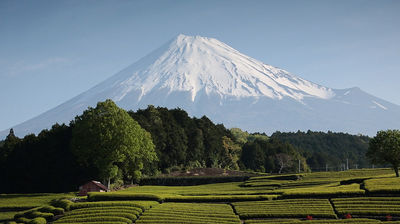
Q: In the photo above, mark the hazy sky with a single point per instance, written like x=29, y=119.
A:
x=50, y=51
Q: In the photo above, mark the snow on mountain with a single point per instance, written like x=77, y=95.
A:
x=207, y=77
x=196, y=63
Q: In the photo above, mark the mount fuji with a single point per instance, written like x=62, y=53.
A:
x=207, y=77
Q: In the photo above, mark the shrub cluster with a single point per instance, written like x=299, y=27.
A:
x=62, y=203
x=36, y=215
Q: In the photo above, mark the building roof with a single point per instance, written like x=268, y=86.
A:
x=97, y=183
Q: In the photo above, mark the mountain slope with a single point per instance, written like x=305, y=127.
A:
x=207, y=77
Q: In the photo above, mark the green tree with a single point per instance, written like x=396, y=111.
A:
x=9, y=144
x=230, y=153
x=385, y=148
x=108, y=139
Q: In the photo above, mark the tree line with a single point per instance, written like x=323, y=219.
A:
x=113, y=145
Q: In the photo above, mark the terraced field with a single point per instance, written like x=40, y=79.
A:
x=368, y=206
x=105, y=212
x=13, y=204
x=290, y=208
x=190, y=213
x=297, y=221
x=388, y=185
x=367, y=196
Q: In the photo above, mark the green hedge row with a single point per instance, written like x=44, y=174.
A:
x=366, y=206
x=98, y=196
x=97, y=214
x=134, y=211
x=291, y=208
x=219, y=198
x=296, y=221
x=198, y=213
x=190, y=181
x=177, y=198
x=95, y=219
x=139, y=204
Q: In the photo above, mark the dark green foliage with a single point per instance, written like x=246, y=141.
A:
x=385, y=148
x=184, y=141
x=8, y=145
x=108, y=139
x=271, y=156
x=45, y=163
x=42, y=163
x=332, y=149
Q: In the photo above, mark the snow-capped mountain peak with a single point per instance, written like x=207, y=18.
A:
x=194, y=64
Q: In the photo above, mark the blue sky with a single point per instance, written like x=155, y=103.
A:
x=50, y=51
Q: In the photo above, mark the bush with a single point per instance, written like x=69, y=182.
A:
x=62, y=203
x=52, y=209
x=38, y=220
x=23, y=220
x=36, y=213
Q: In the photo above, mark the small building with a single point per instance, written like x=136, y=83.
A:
x=92, y=186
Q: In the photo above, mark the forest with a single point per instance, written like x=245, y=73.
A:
x=48, y=163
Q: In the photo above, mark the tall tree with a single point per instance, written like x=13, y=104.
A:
x=107, y=138
x=385, y=148
x=9, y=144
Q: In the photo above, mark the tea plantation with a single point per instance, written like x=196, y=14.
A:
x=354, y=196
